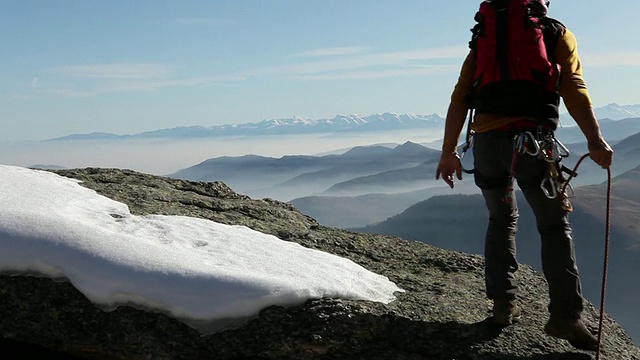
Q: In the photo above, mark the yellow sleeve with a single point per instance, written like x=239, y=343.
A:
x=573, y=88
x=465, y=80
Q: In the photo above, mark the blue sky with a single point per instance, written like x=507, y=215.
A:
x=132, y=66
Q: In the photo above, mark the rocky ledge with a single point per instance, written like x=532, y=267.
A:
x=441, y=316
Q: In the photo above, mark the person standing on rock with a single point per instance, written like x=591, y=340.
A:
x=520, y=65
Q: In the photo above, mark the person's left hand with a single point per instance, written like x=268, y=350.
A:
x=600, y=152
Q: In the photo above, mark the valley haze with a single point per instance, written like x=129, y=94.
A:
x=165, y=151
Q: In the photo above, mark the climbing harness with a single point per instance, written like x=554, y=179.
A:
x=606, y=248
x=545, y=146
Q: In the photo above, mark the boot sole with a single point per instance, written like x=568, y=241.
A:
x=512, y=320
x=574, y=342
x=509, y=317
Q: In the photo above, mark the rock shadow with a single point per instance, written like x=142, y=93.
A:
x=455, y=340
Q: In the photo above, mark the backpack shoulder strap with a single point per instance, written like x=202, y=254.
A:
x=551, y=30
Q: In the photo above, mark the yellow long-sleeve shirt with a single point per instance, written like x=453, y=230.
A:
x=573, y=89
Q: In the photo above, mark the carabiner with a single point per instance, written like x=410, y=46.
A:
x=550, y=191
x=522, y=141
x=529, y=138
x=563, y=151
x=466, y=146
x=517, y=143
x=549, y=149
x=549, y=155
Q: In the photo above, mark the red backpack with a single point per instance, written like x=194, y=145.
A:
x=513, y=45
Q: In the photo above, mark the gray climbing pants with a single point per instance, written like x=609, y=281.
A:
x=493, y=153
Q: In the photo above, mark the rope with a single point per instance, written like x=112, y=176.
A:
x=606, y=248
x=606, y=261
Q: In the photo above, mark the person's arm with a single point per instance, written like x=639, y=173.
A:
x=575, y=95
x=599, y=150
x=454, y=121
x=456, y=115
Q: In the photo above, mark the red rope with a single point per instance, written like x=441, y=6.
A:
x=606, y=262
x=606, y=247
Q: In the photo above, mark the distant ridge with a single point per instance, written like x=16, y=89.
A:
x=614, y=111
x=611, y=111
x=340, y=123
x=285, y=126
x=91, y=136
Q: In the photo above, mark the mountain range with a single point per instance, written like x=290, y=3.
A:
x=611, y=111
x=367, y=184
x=293, y=176
x=339, y=123
x=284, y=126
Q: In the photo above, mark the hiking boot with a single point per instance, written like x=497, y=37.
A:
x=574, y=331
x=505, y=312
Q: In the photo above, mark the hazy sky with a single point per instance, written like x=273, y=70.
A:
x=132, y=66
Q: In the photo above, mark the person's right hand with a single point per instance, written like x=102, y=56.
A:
x=448, y=165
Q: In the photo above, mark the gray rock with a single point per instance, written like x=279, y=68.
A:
x=442, y=314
